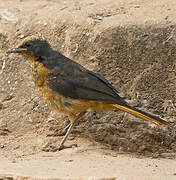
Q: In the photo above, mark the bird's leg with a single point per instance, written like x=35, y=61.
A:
x=71, y=125
x=65, y=128
x=58, y=148
x=68, y=125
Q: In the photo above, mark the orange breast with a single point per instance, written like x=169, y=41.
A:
x=58, y=102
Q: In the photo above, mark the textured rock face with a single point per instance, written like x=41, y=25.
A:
x=136, y=55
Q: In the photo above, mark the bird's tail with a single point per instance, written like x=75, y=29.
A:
x=141, y=114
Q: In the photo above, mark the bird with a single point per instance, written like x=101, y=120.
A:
x=71, y=89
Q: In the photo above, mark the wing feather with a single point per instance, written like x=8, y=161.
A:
x=86, y=86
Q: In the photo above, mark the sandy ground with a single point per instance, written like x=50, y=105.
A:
x=22, y=145
x=88, y=162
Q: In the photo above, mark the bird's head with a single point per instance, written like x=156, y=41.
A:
x=32, y=46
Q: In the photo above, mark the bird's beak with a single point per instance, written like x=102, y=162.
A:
x=17, y=50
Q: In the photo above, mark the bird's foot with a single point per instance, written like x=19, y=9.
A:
x=61, y=147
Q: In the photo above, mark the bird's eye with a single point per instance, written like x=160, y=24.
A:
x=28, y=44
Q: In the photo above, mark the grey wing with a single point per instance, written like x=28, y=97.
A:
x=86, y=86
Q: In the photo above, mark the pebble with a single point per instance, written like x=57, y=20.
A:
x=137, y=6
x=50, y=119
x=99, y=17
x=21, y=36
x=45, y=23
x=2, y=146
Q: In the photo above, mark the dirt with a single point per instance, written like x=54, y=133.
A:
x=87, y=162
x=132, y=44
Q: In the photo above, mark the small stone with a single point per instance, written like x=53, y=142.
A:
x=21, y=36
x=137, y=6
x=45, y=23
x=50, y=119
x=99, y=17
x=2, y=146
x=8, y=178
x=108, y=14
